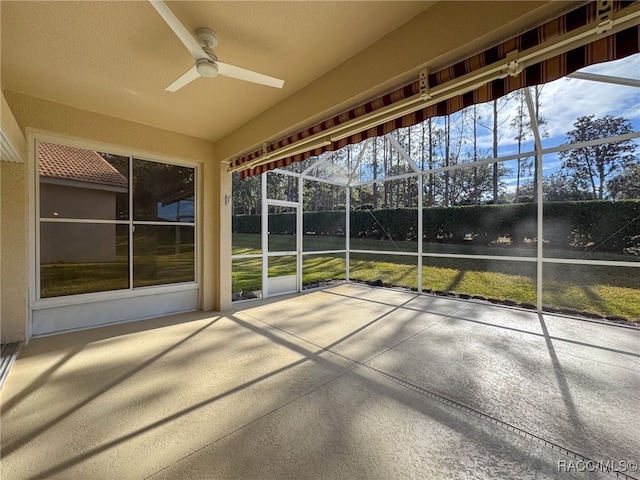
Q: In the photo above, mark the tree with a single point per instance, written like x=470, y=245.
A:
x=626, y=184
x=497, y=106
x=470, y=185
x=557, y=187
x=247, y=197
x=592, y=167
x=522, y=127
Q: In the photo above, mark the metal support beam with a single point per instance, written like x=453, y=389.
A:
x=540, y=211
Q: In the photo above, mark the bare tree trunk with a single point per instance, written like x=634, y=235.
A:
x=495, y=151
x=431, y=186
x=475, y=154
x=447, y=128
x=386, y=173
x=375, y=173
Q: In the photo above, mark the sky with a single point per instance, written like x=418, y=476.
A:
x=170, y=212
x=562, y=102
x=566, y=99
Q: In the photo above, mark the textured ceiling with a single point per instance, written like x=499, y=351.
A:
x=116, y=57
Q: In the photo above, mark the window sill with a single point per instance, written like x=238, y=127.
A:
x=87, y=298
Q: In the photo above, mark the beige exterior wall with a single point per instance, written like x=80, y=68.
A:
x=34, y=115
x=13, y=252
x=13, y=234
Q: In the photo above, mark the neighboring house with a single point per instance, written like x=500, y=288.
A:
x=80, y=184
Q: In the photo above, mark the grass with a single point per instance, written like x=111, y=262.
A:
x=60, y=279
x=605, y=290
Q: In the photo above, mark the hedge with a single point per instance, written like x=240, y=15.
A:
x=614, y=226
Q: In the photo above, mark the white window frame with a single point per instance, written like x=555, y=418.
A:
x=36, y=302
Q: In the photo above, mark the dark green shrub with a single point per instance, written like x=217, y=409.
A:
x=583, y=225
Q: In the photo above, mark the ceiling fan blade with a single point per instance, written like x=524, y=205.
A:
x=188, y=77
x=248, y=75
x=182, y=33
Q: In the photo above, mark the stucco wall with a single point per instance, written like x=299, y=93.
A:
x=13, y=234
x=13, y=252
x=35, y=115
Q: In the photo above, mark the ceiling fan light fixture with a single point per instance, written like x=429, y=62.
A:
x=207, y=68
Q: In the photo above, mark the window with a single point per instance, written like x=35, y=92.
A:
x=112, y=222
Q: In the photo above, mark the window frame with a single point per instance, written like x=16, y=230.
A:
x=37, y=301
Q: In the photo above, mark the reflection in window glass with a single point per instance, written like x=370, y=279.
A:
x=79, y=186
x=79, y=183
x=163, y=254
x=82, y=258
x=163, y=192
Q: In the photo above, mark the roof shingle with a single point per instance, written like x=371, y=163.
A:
x=71, y=163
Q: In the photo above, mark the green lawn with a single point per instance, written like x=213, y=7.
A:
x=60, y=279
x=606, y=290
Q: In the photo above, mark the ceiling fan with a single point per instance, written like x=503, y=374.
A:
x=207, y=64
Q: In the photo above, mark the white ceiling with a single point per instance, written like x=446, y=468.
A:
x=116, y=57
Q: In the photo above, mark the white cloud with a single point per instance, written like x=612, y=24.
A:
x=565, y=100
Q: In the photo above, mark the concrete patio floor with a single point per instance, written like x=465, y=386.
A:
x=348, y=382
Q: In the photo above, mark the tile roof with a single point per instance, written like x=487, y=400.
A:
x=71, y=163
